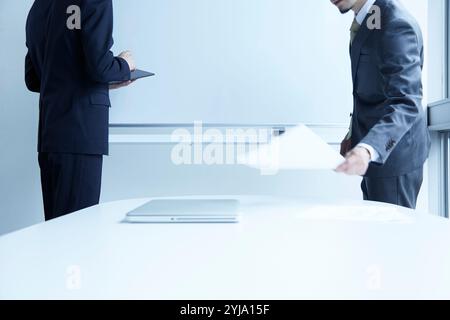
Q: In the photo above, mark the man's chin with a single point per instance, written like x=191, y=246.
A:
x=345, y=10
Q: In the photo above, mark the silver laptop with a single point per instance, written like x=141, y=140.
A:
x=186, y=211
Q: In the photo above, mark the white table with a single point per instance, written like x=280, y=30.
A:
x=278, y=251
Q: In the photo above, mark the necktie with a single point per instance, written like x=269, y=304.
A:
x=354, y=30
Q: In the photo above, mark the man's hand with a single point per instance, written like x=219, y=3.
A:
x=120, y=85
x=346, y=146
x=356, y=162
x=128, y=57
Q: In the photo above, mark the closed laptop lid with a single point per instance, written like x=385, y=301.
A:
x=187, y=207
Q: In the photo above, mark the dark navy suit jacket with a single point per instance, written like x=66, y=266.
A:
x=387, y=79
x=71, y=70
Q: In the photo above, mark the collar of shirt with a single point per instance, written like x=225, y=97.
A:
x=362, y=14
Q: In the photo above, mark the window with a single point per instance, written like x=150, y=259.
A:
x=439, y=108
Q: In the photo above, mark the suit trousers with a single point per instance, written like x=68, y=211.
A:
x=402, y=191
x=70, y=182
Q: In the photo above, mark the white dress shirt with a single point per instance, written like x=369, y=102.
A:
x=360, y=16
x=364, y=11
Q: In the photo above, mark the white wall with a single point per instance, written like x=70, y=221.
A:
x=234, y=61
x=131, y=170
x=20, y=197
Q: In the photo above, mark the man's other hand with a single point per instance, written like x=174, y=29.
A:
x=128, y=57
x=346, y=146
x=120, y=85
x=356, y=162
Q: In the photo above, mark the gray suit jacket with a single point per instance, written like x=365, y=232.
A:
x=387, y=88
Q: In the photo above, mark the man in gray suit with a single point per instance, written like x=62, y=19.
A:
x=388, y=142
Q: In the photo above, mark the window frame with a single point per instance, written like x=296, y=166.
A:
x=439, y=122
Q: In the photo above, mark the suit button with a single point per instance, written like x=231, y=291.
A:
x=390, y=145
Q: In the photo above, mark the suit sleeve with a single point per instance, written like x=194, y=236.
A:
x=97, y=41
x=31, y=78
x=401, y=69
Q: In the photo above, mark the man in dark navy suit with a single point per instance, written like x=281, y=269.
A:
x=388, y=142
x=70, y=63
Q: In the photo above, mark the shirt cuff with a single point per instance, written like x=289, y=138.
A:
x=374, y=155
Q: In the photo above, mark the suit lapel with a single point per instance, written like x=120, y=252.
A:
x=360, y=39
x=358, y=42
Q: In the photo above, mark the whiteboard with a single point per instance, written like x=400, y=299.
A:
x=235, y=61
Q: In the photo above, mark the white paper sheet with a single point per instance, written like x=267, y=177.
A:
x=298, y=149
x=378, y=214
